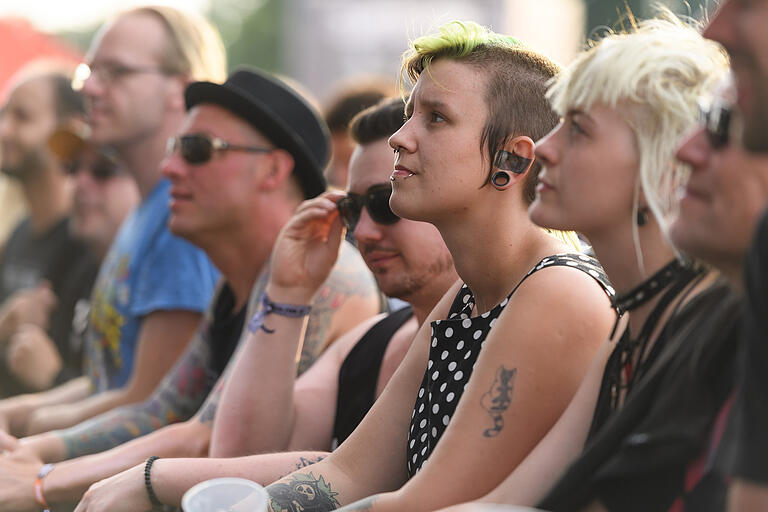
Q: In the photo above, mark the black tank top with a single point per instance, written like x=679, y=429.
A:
x=359, y=374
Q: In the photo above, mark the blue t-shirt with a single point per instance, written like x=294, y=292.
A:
x=147, y=269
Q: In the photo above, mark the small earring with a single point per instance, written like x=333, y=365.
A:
x=500, y=179
x=642, y=217
x=511, y=162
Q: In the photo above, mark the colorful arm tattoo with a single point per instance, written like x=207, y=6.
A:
x=177, y=398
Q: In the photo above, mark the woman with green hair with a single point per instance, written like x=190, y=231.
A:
x=503, y=352
x=635, y=436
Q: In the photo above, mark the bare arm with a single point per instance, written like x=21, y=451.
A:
x=315, y=393
x=15, y=412
x=177, y=398
x=303, y=266
x=529, y=369
x=190, y=439
x=170, y=330
x=372, y=459
x=171, y=478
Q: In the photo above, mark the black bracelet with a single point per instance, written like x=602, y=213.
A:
x=148, y=483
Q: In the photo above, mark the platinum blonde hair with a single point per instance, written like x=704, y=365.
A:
x=654, y=75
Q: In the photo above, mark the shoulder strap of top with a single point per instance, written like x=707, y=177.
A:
x=586, y=264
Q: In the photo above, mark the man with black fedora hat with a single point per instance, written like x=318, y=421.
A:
x=248, y=153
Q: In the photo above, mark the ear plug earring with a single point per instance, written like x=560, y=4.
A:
x=500, y=179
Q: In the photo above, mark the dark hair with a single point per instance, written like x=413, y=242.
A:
x=353, y=99
x=517, y=103
x=378, y=121
x=68, y=101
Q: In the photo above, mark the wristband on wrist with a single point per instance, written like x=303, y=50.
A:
x=268, y=307
x=39, y=496
x=156, y=504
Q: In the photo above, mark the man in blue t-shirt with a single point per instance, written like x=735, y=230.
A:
x=153, y=286
x=146, y=270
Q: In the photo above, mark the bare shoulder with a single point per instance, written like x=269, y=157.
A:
x=562, y=307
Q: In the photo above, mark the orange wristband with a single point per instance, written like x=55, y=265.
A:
x=39, y=496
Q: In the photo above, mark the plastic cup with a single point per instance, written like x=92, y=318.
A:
x=225, y=495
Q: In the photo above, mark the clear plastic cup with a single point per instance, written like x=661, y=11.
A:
x=225, y=495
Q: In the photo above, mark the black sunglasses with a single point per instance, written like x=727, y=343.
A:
x=375, y=200
x=101, y=168
x=198, y=148
x=716, y=119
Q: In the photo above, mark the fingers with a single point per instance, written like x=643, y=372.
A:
x=313, y=220
x=8, y=443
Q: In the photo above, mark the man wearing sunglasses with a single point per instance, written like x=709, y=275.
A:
x=739, y=25
x=249, y=151
x=410, y=261
x=44, y=269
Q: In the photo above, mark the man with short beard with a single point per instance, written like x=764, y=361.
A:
x=739, y=25
x=44, y=270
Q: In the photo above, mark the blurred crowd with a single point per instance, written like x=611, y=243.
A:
x=490, y=283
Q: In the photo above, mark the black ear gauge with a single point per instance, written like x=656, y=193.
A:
x=511, y=162
x=500, y=179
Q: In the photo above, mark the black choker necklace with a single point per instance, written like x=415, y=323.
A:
x=649, y=288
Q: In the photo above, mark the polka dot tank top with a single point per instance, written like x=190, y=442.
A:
x=455, y=345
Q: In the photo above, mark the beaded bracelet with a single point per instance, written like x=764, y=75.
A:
x=156, y=504
x=268, y=307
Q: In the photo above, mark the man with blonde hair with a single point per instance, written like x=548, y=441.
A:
x=152, y=286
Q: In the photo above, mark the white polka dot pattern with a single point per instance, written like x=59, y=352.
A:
x=454, y=349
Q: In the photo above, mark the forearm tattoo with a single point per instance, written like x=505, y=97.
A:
x=177, y=398
x=302, y=493
x=349, y=277
x=497, y=399
x=304, y=462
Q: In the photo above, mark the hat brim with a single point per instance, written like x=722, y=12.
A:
x=260, y=115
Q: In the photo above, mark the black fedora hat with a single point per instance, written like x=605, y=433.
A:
x=278, y=112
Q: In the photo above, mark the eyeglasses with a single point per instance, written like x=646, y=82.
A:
x=109, y=73
x=198, y=148
x=101, y=168
x=375, y=200
x=716, y=119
